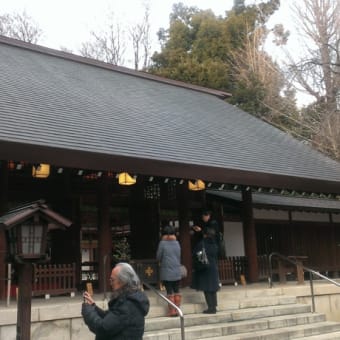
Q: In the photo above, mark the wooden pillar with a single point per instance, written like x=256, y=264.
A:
x=3, y=209
x=218, y=214
x=24, y=301
x=184, y=231
x=75, y=234
x=249, y=235
x=104, y=234
x=65, y=244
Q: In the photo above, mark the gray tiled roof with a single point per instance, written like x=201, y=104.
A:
x=72, y=113
x=264, y=199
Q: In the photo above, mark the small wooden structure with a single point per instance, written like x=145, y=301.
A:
x=26, y=229
x=49, y=279
x=147, y=270
x=284, y=268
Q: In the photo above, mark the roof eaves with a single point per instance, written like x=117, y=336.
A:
x=22, y=213
x=115, y=68
x=14, y=218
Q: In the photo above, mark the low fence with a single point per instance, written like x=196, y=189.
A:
x=54, y=279
x=232, y=267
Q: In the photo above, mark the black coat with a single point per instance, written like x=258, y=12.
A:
x=207, y=280
x=124, y=320
x=211, y=224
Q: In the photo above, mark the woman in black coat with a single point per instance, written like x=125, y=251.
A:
x=207, y=279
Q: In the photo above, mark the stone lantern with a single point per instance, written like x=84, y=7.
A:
x=26, y=229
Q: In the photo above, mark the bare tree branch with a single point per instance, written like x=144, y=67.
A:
x=140, y=36
x=20, y=26
x=108, y=46
x=318, y=72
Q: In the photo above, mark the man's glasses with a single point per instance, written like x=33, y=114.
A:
x=112, y=279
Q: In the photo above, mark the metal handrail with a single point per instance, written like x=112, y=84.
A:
x=311, y=272
x=179, y=311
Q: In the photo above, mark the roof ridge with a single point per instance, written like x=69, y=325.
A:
x=121, y=69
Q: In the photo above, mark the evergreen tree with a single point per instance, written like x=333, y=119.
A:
x=227, y=53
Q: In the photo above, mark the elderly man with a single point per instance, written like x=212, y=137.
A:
x=128, y=307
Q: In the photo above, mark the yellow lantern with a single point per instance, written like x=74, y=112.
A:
x=197, y=185
x=125, y=179
x=41, y=170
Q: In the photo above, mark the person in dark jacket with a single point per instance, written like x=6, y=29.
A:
x=169, y=257
x=207, y=222
x=125, y=317
x=207, y=279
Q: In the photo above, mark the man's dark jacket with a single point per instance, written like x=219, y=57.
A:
x=124, y=320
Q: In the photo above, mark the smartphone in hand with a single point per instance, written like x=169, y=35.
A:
x=89, y=288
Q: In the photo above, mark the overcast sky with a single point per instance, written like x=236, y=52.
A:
x=67, y=23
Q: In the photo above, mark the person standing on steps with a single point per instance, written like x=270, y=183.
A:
x=169, y=257
x=207, y=222
x=207, y=279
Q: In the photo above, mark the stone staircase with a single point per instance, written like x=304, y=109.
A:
x=243, y=314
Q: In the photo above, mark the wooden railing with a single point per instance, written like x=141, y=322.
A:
x=226, y=271
x=54, y=279
x=231, y=268
x=263, y=267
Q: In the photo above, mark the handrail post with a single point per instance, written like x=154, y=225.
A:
x=312, y=290
x=104, y=278
x=182, y=327
x=311, y=272
x=9, y=276
x=180, y=313
x=270, y=278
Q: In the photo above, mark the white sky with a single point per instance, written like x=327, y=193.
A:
x=67, y=23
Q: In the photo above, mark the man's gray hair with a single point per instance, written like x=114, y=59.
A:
x=128, y=276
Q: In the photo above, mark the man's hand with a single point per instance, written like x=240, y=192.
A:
x=196, y=228
x=88, y=298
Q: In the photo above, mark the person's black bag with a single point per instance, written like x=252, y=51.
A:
x=201, y=260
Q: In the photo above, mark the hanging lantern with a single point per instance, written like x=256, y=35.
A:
x=125, y=179
x=197, y=185
x=41, y=170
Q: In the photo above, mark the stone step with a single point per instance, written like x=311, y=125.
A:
x=256, y=313
x=158, y=312
x=310, y=331
x=232, y=293
x=243, y=314
x=163, y=323
x=326, y=336
x=213, y=333
x=213, y=326
x=159, y=307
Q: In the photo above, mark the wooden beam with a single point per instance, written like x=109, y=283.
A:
x=3, y=209
x=104, y=234
x=24, y=301
x=184, y=230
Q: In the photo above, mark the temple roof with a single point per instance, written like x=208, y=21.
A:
x=67, y=110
